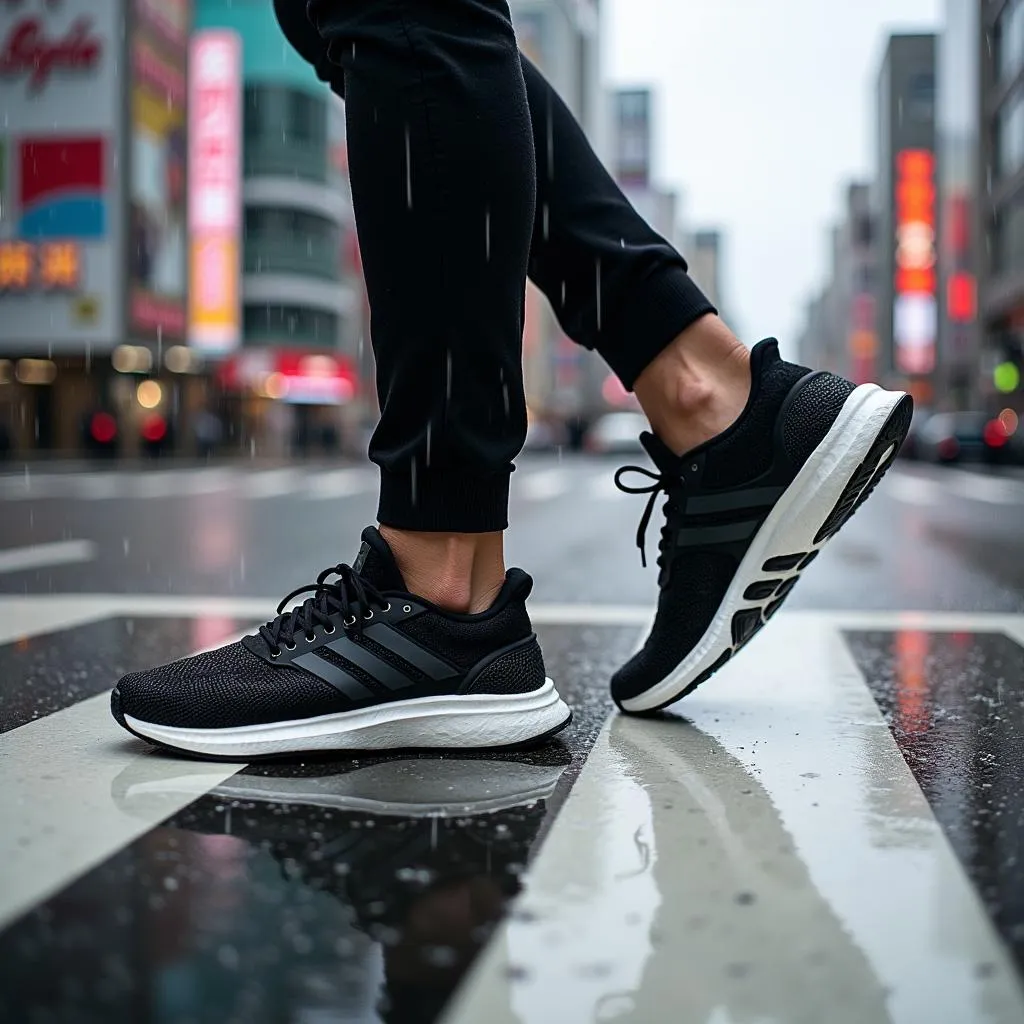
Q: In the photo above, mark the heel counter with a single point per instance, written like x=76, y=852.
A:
x=809, y=412
x=515, y=669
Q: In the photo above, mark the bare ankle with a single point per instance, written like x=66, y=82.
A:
x=697, y=386
x=461, y=572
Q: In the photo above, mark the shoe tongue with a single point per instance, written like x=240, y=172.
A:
x=661, y=455
x=375, y=562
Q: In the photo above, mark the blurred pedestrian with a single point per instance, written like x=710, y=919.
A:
x=209, y=432
x=468, y=173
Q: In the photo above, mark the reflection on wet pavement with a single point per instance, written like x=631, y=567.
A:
x=761, y=853
x=362, y=894
x=955, y=704
x=345, y=889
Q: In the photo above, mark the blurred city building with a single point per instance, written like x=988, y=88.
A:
x=289, y=366
x=563, y=38
x=906, y=213
x=876, y=316
x=92, y=223
x=703, y=252
x=1000, y=47
x=840, y=334
x=960, y=383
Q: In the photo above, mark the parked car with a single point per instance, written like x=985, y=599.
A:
x=617, y=433
x=958, y=437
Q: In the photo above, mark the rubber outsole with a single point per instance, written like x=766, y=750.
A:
x=324, y=755
x=749, y=621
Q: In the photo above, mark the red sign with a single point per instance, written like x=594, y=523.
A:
x=915, y=312
x=28, y=50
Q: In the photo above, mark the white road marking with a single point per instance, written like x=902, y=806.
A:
x=59, y=801
x=912, y=490
x=780, y=801
x=543, y=485
x=978, y=487
x=90, y=606
x=340, y=483
x=172, y=483
x=38, y=556
x=270, y=483
x=602, y=488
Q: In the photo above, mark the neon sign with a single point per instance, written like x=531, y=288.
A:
x=915, y=311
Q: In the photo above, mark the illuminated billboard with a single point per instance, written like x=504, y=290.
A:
x=61, y=221
x=915, y=309
x=156, y=182
x=215, y=172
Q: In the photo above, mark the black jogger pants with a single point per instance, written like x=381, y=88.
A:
x=468, y=172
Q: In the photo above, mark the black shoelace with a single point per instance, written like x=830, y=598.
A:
x=350, y=596
x=663, y=484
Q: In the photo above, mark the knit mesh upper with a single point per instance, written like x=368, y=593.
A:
x=743, y=456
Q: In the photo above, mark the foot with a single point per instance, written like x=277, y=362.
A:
x=362, y=664
x=748, y=511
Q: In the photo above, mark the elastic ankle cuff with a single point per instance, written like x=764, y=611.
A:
x=444, y=501
x=658, y=311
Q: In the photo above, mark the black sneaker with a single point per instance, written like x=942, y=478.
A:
x=748, y=511
x=362, y=664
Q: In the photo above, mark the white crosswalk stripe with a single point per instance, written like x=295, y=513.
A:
x=602, y=488
x=995, y=490
x=543, y=485
x=271, y=483
x=912, y=490
x=916, y=485
x=340, y=483
x=185, y=481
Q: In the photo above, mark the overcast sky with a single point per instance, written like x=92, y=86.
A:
x=763, y=109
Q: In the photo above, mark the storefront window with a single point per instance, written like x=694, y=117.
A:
x=1008, y=238
x=1010, y=135
x=283, y=323
x=1009, y=40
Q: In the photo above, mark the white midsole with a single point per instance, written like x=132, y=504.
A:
x=470, y=721
x=790, y=527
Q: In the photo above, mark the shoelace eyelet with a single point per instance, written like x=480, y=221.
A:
x=350, y=621
x=310, y=638
x=368, y=615
x=333, y=629
x=407, y=608
x=387, y=607
x=276, y=652
x=290, y=647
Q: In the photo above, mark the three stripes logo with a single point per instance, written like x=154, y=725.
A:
x=383, y=672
